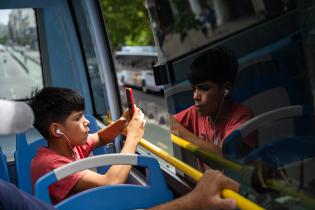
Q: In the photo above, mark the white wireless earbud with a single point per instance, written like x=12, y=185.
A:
x=59, y=131
x=226, y=91
x=69, y=143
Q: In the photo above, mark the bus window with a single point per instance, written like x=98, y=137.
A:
x=192, y=24
x=275, y=76
x=19, y=52
x=20, y=61
x=133, y=66
x=95, y=78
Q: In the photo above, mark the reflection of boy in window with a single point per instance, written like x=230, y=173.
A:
x=214, y=115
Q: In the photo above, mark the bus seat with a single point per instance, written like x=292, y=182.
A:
x=178, y=97
x=123, y=196
x=269, y=78
x=259, y=79
x=101, y=150
x=284, y=151
x=93, y=127
x=232, y=145
x=23, y=156
x=4, y=172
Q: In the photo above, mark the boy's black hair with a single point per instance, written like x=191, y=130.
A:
x=54, y=105
x=215, y=65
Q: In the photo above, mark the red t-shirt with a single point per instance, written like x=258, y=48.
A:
x=201, y=126
x=47, y=160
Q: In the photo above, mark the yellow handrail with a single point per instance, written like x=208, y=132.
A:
x=303, y=198
x=244, y=171
x=242, y=202
x=212, y=157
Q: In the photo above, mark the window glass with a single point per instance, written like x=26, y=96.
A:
x=20, y=62
x=181, y=26
x=261, y=117
x=98, y=91
x=133, y=66
x=134, y=56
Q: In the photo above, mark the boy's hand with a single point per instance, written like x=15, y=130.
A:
x=126, y=115
x=207, y=193
x=174, y=126
x=125, y=118
x=135, y=128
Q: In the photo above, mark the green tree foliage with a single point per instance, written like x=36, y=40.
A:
x=127, y=22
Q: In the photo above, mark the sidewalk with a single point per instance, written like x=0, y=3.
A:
x=29, y=54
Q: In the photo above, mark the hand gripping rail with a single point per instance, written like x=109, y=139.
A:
x=242, y=202
x=124, y=196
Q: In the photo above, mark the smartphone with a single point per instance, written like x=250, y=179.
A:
x=130, y=101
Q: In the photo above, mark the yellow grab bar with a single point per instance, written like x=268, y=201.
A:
x=244, y=171
x=212, y=157
x=303, y=198
x=242, y=202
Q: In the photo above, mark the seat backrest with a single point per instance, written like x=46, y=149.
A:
x=273, y=77
x=4, y=172
x=117, y=197
x=23, y=156
x=284, y=151
x=290, y=154
x=93, y=124
x=232, y=145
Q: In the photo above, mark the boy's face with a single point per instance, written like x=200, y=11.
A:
x=76, y=128
x=208, y=97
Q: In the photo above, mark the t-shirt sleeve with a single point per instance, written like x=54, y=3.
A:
x=61, y=189
x=87, y=148
x=184, y=117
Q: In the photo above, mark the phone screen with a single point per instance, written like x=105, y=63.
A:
x=130, y=101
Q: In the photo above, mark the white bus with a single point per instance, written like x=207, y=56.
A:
x=134, y=67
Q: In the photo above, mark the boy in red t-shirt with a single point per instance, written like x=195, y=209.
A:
x=59, y=118
x=214, y=115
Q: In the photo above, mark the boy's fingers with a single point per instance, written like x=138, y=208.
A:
x=141, y=115
x=230, y=184
x=224, y=181
x=137, y=109
x=224, y=203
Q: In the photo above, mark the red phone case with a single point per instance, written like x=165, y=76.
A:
x=130, y=100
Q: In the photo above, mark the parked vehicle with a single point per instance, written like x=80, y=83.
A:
x=134, y=67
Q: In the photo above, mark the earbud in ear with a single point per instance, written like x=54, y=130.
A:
x=58, y=131
x=226, y=91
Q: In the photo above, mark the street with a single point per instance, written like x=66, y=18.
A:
x=16, y=81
